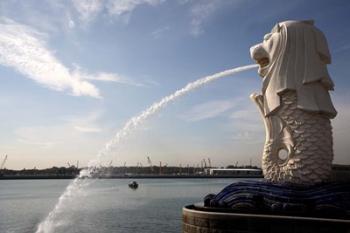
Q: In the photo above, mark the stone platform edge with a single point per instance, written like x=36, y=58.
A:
x=197, y=218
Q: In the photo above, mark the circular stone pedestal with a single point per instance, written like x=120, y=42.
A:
x=199, y=219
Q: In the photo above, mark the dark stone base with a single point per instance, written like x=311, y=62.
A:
x=330, y=200
x=200, y=219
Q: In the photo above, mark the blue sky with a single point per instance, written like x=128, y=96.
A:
x=74, y=71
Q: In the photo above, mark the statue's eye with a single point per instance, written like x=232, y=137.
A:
x=270, y=44
x=267, y=36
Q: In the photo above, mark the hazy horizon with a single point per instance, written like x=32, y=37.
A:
x=74, y=71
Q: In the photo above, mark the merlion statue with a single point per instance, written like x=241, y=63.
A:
x=295, y=103
x=297, y=157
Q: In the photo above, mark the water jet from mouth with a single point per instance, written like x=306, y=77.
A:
x=49, y=224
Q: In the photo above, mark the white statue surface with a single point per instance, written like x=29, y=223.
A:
x=295, y=103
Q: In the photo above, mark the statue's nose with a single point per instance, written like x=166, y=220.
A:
x=257, y=52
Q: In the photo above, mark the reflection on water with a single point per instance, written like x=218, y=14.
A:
x=105, y=206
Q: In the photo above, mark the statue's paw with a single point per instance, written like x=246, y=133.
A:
x=253, y=96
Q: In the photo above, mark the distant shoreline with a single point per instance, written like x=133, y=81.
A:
x=340, y=173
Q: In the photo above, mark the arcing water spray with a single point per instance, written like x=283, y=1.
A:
x=48, y=225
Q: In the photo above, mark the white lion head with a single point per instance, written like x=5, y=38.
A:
x=294, y=56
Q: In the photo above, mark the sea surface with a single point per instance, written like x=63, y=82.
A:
x=107, y=205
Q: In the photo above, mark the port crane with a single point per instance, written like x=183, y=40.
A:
x=149, y=161
x=209, y=162
x=205, y=163
x=3, y=162
x=70, y=165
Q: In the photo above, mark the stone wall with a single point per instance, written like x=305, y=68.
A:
x=197, y=220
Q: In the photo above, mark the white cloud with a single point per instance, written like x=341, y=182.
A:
x=71, y=24
x=103, y=76
x=207, y=110
x=87, y=129
x=25, y=50
x=85, y=124
x=34, y=142
x=158, y=33
x=73, y=129
x=39, y=136
x=247, y=125
x=246, y=136
x=120, y=7
x=50, y=16
x=200, y=13
x=88, y=9
x=246, y=113
x=106, y=77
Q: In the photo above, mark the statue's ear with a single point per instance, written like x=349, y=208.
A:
x=276, y=28
x=279, y=27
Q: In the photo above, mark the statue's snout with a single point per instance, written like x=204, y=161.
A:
x=255, y=51
x=259, y=54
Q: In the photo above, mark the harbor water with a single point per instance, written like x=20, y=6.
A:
x=107, y=205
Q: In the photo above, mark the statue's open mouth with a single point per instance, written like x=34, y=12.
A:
x=263, y=62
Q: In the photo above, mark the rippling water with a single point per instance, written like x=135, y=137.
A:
x=105, y=206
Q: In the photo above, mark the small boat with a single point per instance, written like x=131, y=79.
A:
x=133, y=185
